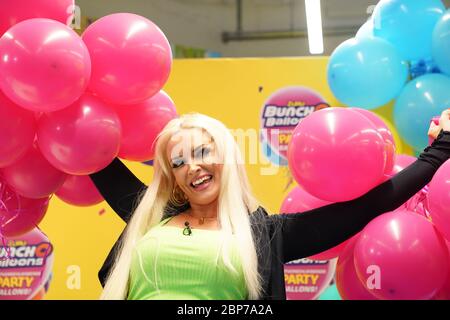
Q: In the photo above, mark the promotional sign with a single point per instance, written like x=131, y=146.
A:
x=25, y=266
x=281, y=113
x=307, y=279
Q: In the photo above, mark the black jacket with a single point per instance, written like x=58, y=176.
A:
x=286, y=237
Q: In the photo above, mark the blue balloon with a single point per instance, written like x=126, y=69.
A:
x=417, y=153
x=441, y=43
x=422, y=67
x=366, y=72
x=408, y=25
x=421, y=100
x=366, y=30
x=331, y=293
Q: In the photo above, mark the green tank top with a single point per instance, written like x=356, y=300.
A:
x=167, y=265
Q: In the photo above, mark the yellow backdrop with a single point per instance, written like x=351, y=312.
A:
x=230, y=90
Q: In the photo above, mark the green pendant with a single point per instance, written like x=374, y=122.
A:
x=187, y=231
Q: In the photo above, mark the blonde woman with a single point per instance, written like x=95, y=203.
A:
x=197, y=232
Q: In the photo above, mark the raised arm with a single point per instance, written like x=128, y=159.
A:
x=312, y=232
x=120, y=188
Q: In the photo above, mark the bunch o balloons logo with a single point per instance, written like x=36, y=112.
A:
x=281, y=113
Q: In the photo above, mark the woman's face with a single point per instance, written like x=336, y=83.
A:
x=194, y=161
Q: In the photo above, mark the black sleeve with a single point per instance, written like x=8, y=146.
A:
x=312, y=232
x=120, y=188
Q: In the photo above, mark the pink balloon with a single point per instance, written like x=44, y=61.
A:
x=439, y=199
x=131, y=58
x=330, y=253
x=418, y=202
x=298, y=201
x=33, y=176
x=79, y=191
x=38, y=115
x=141, y=124
x=34, y=248
x=19, y=215
x=337, y=154
x=401, y=162
x=15, y=11
x=407, y=255
x=81, y=139
x=17, y=131
x=347, y=281
x=384, y=131
x=444, y=292
x=44, y=65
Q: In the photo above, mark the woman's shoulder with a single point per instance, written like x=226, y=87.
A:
x=266, y=227
x=260, y=216
x=259, y=211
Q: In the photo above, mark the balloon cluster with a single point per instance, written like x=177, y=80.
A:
x=69, y=105
x=401, y=54
x=338, y=154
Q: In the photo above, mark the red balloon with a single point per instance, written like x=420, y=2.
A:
x=131, y=58
x=79, y=191
x=44, y=65
x=141, y=124
x=15, y=11
x=347, y=281
x=33, y=176
x=17, y=131
x=81, y=139
x=19, y=215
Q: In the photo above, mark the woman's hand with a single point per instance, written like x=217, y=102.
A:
x=444, y=123
x=444, y=120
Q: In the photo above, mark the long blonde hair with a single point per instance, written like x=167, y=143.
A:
x=234, y=206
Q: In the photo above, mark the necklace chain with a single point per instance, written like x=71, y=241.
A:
x=201, y=220
x=187, y=231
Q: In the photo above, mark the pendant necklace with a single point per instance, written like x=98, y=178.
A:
x=187, y=231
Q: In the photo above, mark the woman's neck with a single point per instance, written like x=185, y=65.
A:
x=204, y=211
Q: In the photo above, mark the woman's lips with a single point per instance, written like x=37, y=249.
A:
x=202, y=186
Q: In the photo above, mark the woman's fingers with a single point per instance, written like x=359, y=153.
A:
x=444, y=120
x=434, y=130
